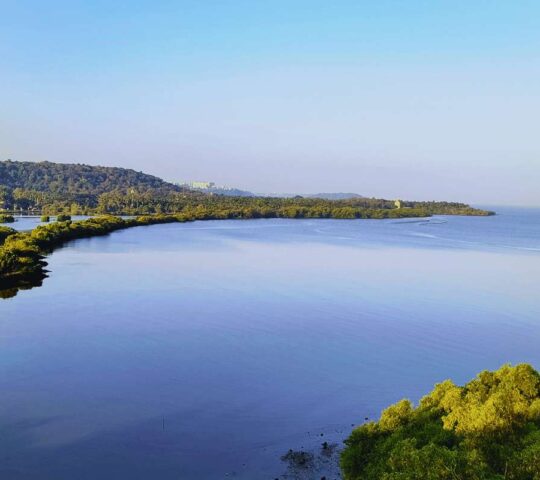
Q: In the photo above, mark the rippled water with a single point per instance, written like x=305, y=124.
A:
x=207, y=350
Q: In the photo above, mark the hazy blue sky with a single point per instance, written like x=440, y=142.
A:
x=411, y=99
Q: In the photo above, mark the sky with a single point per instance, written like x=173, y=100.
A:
x=398, y=99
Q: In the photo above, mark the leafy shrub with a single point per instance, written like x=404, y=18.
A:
x=45, y=218
x=488, y=429
x=63, y=218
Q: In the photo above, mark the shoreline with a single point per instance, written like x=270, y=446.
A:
x=22, y=254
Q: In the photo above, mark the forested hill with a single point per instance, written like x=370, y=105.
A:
x=76, y=178
x=75, y=188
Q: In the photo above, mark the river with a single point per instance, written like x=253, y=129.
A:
x=207, y=350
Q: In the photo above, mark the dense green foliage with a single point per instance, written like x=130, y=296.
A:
x=45, y=218
x=6, y=218
x=118, y=202
x=71, y=188
x=489, y=429
x=75, y=178
x=51, y=188
x=63, y=217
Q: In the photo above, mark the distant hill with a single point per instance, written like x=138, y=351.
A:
x=212, y=188
x=76, y=188
x=228, y=192
x=64, y=178
x=323, y=196
x=334, y=196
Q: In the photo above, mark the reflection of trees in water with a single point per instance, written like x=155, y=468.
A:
x=11, y=286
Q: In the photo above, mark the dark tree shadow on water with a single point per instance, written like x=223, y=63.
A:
x=10, y=287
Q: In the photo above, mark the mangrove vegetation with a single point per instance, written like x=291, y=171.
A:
x=488, y=429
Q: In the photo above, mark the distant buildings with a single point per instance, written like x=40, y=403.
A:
x=201, y=185
x=211, y=188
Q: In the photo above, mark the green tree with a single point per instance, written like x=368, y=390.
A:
x=487, y=429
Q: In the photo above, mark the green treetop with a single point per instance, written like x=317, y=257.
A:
x=488, y=429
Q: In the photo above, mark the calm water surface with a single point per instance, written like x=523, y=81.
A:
x=29, y=222
x=207, y=350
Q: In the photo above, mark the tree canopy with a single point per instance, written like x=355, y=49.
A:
x=487, y=429
x=76, y=178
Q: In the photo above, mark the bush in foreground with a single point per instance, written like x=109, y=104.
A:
x=45, y=218
x=488, y=429
x=63, y=218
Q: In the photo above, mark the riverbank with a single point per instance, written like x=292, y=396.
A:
x=22, y=255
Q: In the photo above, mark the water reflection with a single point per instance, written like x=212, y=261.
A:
x=12, y=286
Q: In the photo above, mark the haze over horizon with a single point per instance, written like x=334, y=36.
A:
x=416, y=100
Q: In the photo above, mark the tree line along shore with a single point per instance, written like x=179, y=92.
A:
x=22, y=253
x=134, y=202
